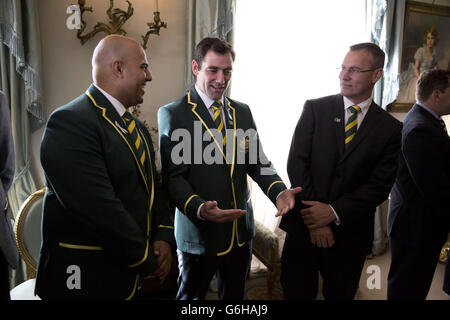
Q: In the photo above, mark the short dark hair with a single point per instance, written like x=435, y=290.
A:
x=374, y=50
x=431, y=80
x=215, y=44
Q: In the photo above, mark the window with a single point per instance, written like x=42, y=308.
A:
x=287, y=52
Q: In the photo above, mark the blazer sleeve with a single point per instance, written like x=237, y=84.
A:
x=6, y=151
x=72, y=158
x=376, y=188
x=181, y=193
x=299, y=158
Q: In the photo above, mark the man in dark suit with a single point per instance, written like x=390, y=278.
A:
x=419, y=210
x=8, y=250
x=206, y=175
x=344, y=155
x=106, y=221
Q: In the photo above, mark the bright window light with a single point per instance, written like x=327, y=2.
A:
x=287, y=52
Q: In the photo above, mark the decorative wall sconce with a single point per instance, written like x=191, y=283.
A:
x=154, y=26
x=117, y=19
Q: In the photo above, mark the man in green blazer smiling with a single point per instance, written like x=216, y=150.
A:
x=106, y=221
x=209, y=143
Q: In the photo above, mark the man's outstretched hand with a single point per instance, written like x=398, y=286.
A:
x=211, y=212
x=286, y=200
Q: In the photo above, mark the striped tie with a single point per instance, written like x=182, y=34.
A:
x=131, y=126
x=216, y=106
x=352, y=124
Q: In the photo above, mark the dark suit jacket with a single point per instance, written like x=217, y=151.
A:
x=193, y=181
x=7, y=241
x=353, y=179
x=420, y=195
x=101, y=213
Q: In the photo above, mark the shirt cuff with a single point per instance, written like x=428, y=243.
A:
x=198, y=212
x=338, y=221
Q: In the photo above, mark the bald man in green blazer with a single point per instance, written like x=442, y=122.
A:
x=106, y=221
x=209, y=144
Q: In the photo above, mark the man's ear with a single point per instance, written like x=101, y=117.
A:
x=377, y=75
x=195, y=67
x=117, y=67
x=436, y=94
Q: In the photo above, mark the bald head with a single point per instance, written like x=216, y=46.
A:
x=110, y=49
x=118, y=63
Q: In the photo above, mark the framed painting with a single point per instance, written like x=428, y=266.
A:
x=425, y=45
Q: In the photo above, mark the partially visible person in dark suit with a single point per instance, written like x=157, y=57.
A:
x=419, y=210
x=8, y=250
x=106, y=221
x=344, y=154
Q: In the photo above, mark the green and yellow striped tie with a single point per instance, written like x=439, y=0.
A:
x=131, y=126
x=216, y=106
x=352, y=124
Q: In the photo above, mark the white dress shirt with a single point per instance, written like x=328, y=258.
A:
x=364, y=108
x=208, y=103
x=116, y=103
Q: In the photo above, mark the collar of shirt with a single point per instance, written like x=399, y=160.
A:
x=363, y=105
x=116, y=103
x=206, y=100
x=429, y=110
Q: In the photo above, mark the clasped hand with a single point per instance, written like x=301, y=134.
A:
x=317, y=217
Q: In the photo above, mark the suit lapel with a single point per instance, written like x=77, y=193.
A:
x=199, y=109
x=364, y=129
x=339, y=123
x=110, y=114
x=149, y=169
x=233, y=140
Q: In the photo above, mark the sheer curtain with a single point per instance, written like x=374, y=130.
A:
x=20, y=81
x=212, y=18
x=287, y=52
x=385, y=20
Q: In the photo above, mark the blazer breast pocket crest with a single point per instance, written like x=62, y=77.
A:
x=244, y=144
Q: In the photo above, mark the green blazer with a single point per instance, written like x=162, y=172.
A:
x=101, y=212
x=191, y=178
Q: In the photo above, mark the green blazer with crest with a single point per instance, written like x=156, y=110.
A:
x=196, y=169
x=101, y=211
